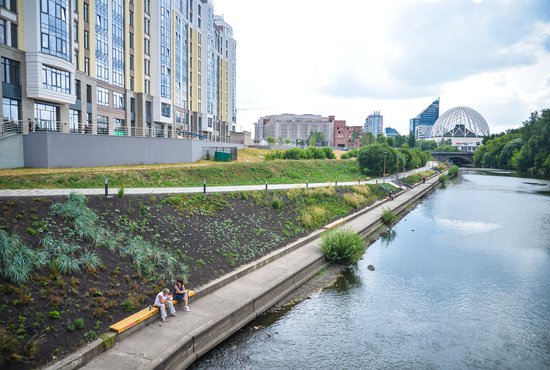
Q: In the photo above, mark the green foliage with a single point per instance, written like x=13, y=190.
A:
x=526, y=149
x=316, y=138
x=299, y=153
x=443, y=178
x=271, y=140
x=276, y=204
x=342, y=246
x=120, y=192
x=16, y=259
x=30, y=231
x=388, y=216
x=54, y=314
x=202, y=204
x=90, y=260
x=373, y=159
x=79, y=323
x=453, y=170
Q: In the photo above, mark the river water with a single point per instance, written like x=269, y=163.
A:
x=462, y=282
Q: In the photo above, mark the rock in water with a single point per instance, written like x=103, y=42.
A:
x=370, y=267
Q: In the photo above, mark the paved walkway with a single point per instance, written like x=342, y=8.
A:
x=154, y=345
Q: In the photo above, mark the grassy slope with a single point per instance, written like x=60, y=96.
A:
x=246, y=173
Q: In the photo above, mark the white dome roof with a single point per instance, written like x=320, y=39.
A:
x=460, y=122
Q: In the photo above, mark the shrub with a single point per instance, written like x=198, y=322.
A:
x=276, y=204
x=313, y=217
x=30, y=231
x=354, y=200
x=453, y=171
x=342, y=246
x=54, y=314
x=16, y=259
x=120, y=192
x=443, y=178
x=388, y=216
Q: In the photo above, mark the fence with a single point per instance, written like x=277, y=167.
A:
x=8, y=128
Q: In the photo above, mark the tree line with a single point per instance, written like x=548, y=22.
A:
x=526, y=149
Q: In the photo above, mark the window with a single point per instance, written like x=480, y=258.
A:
x=56, y=79
x=13, y=35
x=146, y=46
x=131, y=40
x=86, y=40
x=102, y=96
x=119, y=127
x=11, y=109
x=146, y=25
x=102, y=125
x=74, y=117
x=147, y=65
x=86, y=12
x=76, y=58
x=132, y=105
x=118, y=100
x=10, y=72
x=87, y=65
x=3, y=31
x=89, y=94
x=146, y=6
x=131, y=18
x=131, y=62
x=165, y=110
x=132, y=83
x=75, y=31
x=45, y=116
x=147, y=87
x=77, y=89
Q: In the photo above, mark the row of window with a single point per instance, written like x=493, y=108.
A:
x=8, y=33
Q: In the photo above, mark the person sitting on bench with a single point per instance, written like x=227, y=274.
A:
x=162, y=299
x=180, y=294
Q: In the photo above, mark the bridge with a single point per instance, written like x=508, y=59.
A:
x=458, y=158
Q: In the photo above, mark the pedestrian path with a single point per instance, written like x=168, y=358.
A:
x=218, y=312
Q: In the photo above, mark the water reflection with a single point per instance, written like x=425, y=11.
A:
x=441, y=296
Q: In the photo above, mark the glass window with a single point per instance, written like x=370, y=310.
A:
x=14, y=35
x=85, y=12
x=74, y=117
x=75, y=31
x=56, y=79
x=102, y=125
x=89, y=94
x=10, y=72
x=45, y=117
x=11, y=109
x=87, y=66
x=118, y=100
x=55, y=28
x=119, y=127
x=86, y=40
x=77, y=89
x=102, y=96
x=165, y=110
x=2, y=31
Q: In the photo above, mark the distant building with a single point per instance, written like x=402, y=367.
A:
x=293, y=127
x=374, y=124
x=346, y=136
x=423, y=132
x=425, y=118
x=464, y=126
x=391, y=132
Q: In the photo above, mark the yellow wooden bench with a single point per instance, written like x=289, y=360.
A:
x=141, y=316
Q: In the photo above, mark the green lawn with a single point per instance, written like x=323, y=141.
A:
x=275, y=172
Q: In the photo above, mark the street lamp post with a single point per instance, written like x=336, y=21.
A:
x=397, y=170
x=384, y=174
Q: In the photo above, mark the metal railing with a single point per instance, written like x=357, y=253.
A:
x=8, y=128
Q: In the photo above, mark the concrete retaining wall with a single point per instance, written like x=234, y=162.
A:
x=11, y=152
x=53, y=150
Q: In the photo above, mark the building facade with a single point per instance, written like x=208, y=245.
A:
x=346, y=136
x=295, y=128
x=374, y=124
x=158, y=68
x=391, y=132
x=425, y=118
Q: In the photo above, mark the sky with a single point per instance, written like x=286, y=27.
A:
x=351, y=58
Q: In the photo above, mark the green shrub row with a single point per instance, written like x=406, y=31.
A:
x=299, y=153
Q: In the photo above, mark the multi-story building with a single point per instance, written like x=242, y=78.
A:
x=374, y=124
x=296, y=128
x=164, y=68
x=346, y=136
x=391, y=132
x=425, y=118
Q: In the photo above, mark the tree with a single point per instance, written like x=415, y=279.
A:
x=411, y=140
x=271, y=140
x=367, y=139
x=380, y=139
x=400, y=140
x=317, y=138
x=371, y=159
x=390, y=141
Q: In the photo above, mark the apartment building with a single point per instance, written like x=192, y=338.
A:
x=295, y=128
x=156, y=68
x=374, y=123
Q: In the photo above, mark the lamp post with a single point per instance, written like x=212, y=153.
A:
x=384, y=174
x=397, y=170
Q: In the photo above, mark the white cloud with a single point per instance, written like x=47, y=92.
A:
x=351, y=58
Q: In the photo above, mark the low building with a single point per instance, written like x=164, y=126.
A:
x=295, y=128
x=346, y=136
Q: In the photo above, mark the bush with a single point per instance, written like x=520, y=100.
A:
x=276, y=204
x=443, y=178
x=313, y=217
x=343, y=246
x=388, y=216
x=120, y=192
x=453, y=171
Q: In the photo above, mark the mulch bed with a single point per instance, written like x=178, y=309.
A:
x=210, y=244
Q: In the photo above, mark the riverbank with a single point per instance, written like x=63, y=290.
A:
x=236, y=301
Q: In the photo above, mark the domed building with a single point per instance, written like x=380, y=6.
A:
x=464, y=126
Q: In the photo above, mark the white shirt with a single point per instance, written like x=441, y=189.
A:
x=158, y=298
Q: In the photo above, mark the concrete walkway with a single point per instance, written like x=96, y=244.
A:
x=225, y=305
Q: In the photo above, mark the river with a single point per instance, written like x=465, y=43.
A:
x=461, y=282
